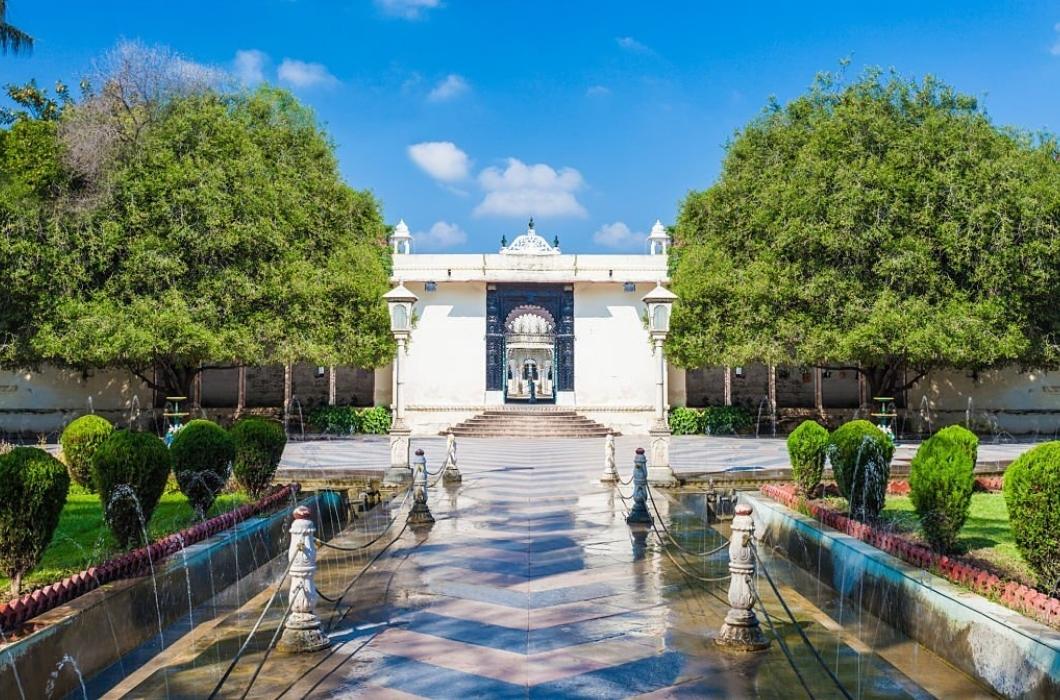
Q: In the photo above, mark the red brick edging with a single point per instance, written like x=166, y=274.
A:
x=992, y=484
x=135, y=563
x=1012, y=594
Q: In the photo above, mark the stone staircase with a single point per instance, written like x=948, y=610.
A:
x=528, y=422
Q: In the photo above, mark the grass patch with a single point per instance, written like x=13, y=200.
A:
x=82, y=538
x=986, y=536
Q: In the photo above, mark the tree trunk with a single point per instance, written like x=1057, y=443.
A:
x=884, y=380
x=16, y=584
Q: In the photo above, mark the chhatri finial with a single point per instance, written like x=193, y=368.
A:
x=530, y=226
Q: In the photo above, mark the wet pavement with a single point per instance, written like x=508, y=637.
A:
x=530, y=584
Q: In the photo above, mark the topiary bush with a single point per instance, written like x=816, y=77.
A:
x=203, y=453
x=685, y=421
x=807, y=450
x=33, y=488
x=860, y=454
x=941, y=481
x=258, y=445
x=80, y=440
x=1032, y=494
x=130, y=471
x=375, y=420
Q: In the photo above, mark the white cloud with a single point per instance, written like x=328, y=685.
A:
x=407, y=9
x=630, y=44
x=530, y=190
x=442, y=160
x=448, y=88
x=441, y=235
x=303, y=75
x=598, y=91
x=1055, y=50
x=249, y=66
x=618, y=236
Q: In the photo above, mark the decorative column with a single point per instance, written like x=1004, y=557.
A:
x=400, y=301
x=638, y=514
x=659, y=301
x=301, y=631
x=287, y=393
x=610, y=474
x=727, y=386
x=420, y=514
x=451, y=474
x=331, y=385
x=741, y=630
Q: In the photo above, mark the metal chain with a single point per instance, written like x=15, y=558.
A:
x=677, y=544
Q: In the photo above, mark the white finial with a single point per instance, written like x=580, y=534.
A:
x=401, y=238
x=658, y=239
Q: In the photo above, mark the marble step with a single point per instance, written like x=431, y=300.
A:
x=530, y=423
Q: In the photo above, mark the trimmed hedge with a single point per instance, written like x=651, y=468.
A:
x=860, y=454
x=347, y=420
x=80, y=440
x=202, y=462
x=941, y=481
x=130, y=471
x=259, y=445
x=1032, y=494
x=33, y=488
x=807, y=450
x=712, y=420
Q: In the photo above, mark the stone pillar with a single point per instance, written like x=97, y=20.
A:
x=331, y=385
x=638, y=514
x=420, y=514
x=400, y=434
x=727, y=387
x=451, y=473
x=741, y=630
x=771, y=392
x=610, y=474
x=301, y=631
x=660, y=473
x=241, y=390
x=818, y=391
x=288, y=381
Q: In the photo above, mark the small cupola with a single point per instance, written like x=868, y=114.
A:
x=658, y=239
x=401, y=239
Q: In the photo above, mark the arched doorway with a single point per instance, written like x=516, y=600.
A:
x=529, y=355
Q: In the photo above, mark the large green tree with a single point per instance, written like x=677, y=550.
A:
x=887, y=225
x=219, y=231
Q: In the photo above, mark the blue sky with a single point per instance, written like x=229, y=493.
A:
x=463, y=117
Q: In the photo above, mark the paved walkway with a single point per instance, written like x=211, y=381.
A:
x=689, y=454
x=531, y=585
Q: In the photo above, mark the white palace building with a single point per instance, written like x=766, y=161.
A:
x=578, y=336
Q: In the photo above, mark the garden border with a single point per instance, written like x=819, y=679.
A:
x=137, y=562
x=1012, y=594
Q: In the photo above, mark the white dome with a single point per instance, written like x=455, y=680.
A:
x=530, y=244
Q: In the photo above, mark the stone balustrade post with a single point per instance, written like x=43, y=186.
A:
x=610, y=474
x=638, y=514
x=301, y=630
x=420, y=514
x=741, y=630
x=451, y=473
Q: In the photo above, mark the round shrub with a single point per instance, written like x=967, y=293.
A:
x=941, y=480
x=375, y=420
x=130, y=471
x=202, y=462
x=1032, y=494
x=685, y=421
x=860, y=454
x=808, y=449
x=33, y=487
x=259, y=445
x=79, y=441
x=336, y=420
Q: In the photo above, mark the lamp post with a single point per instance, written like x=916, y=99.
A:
x=400, y=302
x=659, y=302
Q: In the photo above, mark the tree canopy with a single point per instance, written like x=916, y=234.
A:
x=886, y=224
x=213, y=228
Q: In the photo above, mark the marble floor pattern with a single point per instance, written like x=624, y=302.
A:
x=529, y=585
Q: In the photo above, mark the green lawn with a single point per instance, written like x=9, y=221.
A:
x=986, y=535
x=82, y=539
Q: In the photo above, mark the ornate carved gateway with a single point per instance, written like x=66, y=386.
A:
x=556, y=302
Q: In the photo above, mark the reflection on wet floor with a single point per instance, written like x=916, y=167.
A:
x=530, y=584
